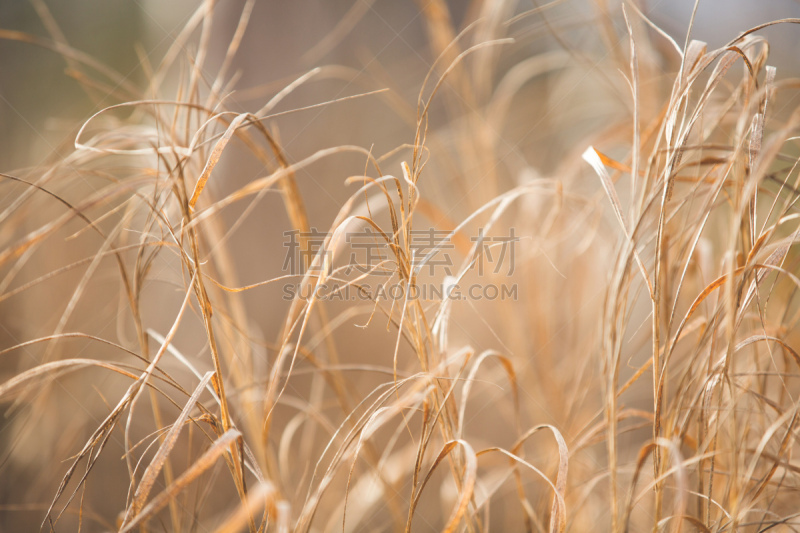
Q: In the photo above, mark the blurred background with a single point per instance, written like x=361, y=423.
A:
x=40, y=104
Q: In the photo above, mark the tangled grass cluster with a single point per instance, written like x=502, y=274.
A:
x=642, y=376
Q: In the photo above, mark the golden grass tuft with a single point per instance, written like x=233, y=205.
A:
x=643, y=378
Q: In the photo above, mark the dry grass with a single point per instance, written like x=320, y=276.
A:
x=643, y=379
